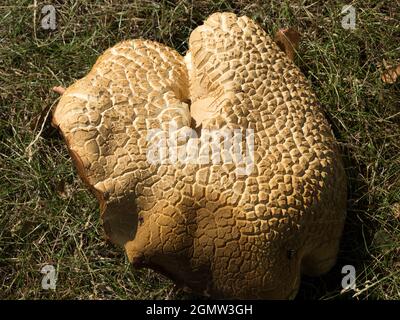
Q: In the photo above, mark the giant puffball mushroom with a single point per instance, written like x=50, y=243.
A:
x=206, y=227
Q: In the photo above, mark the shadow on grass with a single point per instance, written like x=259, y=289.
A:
x=353, y=245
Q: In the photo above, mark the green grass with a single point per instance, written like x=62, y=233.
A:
x=48, y=217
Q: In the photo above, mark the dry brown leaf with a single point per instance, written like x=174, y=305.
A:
x=59, y=90
x=288, y=40
x=390, y=75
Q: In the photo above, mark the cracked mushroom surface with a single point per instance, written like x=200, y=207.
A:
x=202, y=224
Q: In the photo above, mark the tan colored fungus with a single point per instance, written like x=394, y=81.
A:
x=203, y=225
